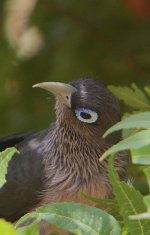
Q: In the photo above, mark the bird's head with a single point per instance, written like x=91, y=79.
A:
x=85, y=106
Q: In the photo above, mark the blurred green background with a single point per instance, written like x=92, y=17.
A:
x=105, y=39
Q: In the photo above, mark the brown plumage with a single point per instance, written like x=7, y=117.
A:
x=67, y=153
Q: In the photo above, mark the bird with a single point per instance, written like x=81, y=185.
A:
x=58, y=163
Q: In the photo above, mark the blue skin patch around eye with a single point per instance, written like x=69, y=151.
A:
x=86, y=115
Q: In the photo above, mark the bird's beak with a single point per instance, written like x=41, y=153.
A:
x=62, y=91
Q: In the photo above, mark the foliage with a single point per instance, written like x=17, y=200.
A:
x=32, y=229
x=135, y=141
x=70, y=39
x=76, y=218
x=133, y=96
x=139, y=146
x=127, y=213
x=5, y=157
x=128, y=199
x=7, y=228
x=140, y=120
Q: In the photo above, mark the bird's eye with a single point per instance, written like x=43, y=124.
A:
x=86, y=115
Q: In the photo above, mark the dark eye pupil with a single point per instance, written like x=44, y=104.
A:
x=85, y=115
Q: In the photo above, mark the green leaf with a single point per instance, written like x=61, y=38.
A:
x=147, y=202
x=100, y=201
x=147, y=173
x=109, y=205
x=140, y=120
x=141, y=155
x=76, y=218
x=141, y=216
x=147, y=90
x=145, y=215
x=130, y=202
x=138, y=140
x=133, y=96
x=32, y=229
x=7, y=228
x=5, y=157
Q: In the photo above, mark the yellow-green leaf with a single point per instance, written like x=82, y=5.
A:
x=5, y=157
x=7, y=228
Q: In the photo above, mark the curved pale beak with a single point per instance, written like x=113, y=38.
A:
x=62, y=91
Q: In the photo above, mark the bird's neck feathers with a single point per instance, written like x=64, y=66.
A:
x=73, y=145
x=73, y=166
x=74, y=156
x=72, y=161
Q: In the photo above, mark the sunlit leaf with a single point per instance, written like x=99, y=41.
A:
x=5, y=157
x=138, y=140
x=75, y=218
x=141, y=155
x=140, y=120
x=141, y=216
x=7, y=228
